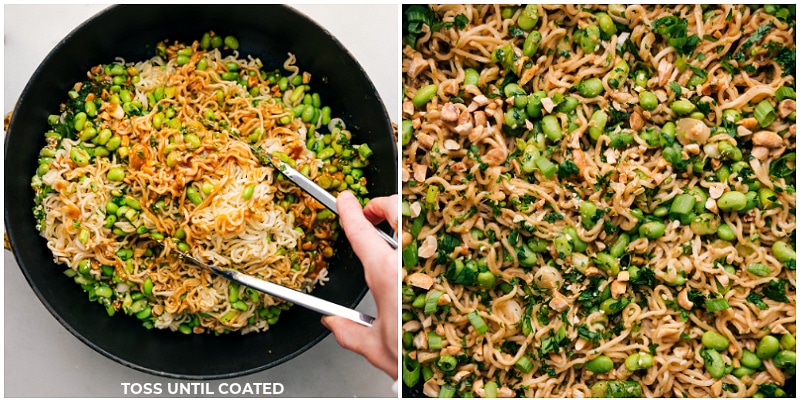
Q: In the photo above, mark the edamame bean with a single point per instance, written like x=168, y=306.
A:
x=652, y=229
x=529, y=17
x=742, y=371
x=248, y=192
x=714, y=363
x=231, y=42
x=725, y=232
x=705, y=224
x=785, y=359
x=531, y=45
x=471, y=76
x=788, y=341
x=192, y=141
x=597, y=124
x=588, y=211
x=600, y=365
x=750, y=360
x=173, y=157
x=606, y=23
x=638, y=361
x=714, y=340
x=589, y=38
x=193, y=196
x=648, y=100
x=618, y=247
x=79, y=156
x=551, y=126
x=103, y=291
x=783, y=251
x=732, y=201
x=682, y=107
x=424, y=95
x=591, y=87
x=486, y=280
x=768, y=347
x=114, y=143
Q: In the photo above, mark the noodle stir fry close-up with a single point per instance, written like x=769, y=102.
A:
x=599, y=201
x=147, y=157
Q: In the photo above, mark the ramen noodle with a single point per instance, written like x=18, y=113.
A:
x=599, y=200
x=152, y=156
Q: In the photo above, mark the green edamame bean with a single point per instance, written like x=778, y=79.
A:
x=114, y=143
x=682, y=107
x=705, y=224
x=193, y=196
x=788, y=341
x=577, y=244
x=783, y=251
x=531, y=45
x=103, y=291
x=424, y=95
x=714, y=340
x=652, y=229
x=248, y=192
x=591, y=87
x=600, y=365
x=742, y=371
x=725, y=232
x=714, y=363
x=79, y=156
x=231, y=42
x=486, y=280
x=471, y=76
x=638, y=361
x=648, y=100
x=597, y=124
x=750, y=360
x=551, y=126
x=785, y=359
x=768, y=347
x=731, y=116
x=618, y=247
x=606, y=23
x=588, y=211
x=589, y=38
x=529, y=17
x=192, y=141
x=732, y=201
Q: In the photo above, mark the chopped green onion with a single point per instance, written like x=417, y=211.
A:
x=759, y=269
x=430, y=197
x=447, y=391
x=682, y=204
x=547, y=167
x=524, y=364
x=764, y=113
x=717, y=305
x=785, y=92
x=477, y=322
x=432, y=301
x=447, y=363
x=434, y=341
x=410, y=371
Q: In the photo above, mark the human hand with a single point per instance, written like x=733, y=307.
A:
x=378, y=344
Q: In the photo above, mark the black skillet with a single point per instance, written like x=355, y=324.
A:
x=131, y=31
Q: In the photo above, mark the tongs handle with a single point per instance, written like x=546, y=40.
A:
x=319, y=194
x=314, y=303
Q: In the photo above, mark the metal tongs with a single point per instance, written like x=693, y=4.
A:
x=308, y=186
x=314, y=303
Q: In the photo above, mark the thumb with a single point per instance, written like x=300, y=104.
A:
x=362, y=235
x=362, y=340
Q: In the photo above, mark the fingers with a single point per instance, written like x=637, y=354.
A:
x=367, y=244
x=382, y=208
x=362, y=340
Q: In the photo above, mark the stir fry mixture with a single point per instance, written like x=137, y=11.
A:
x=151, y=156
x=599, y=201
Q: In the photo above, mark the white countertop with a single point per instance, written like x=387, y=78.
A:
x=42, y=359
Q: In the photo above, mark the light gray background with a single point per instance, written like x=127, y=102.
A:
x=42, y=359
